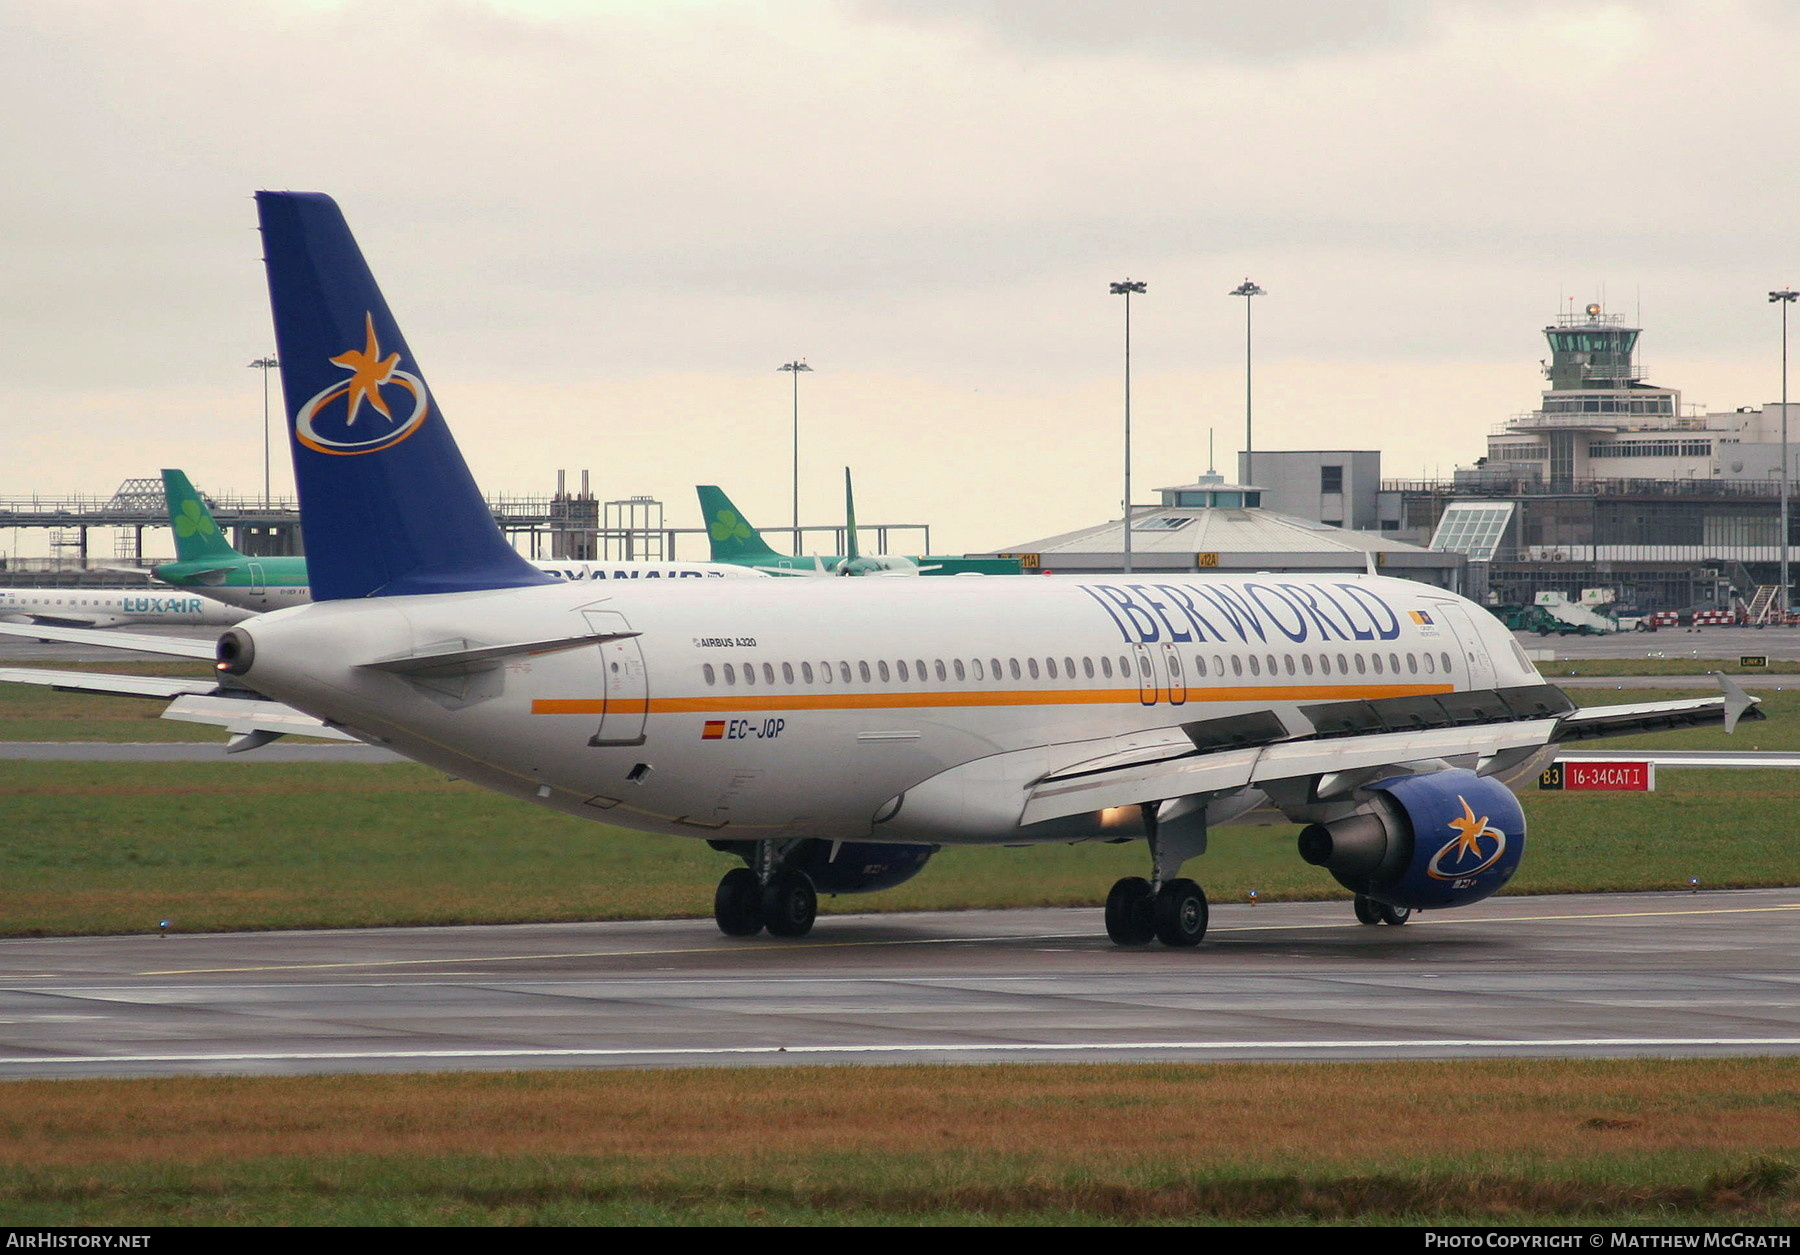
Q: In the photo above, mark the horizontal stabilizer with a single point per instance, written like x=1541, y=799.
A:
x=117, y=685
x=455, y=655
x=174, y=646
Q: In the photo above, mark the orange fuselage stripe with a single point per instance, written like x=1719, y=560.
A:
x=773, y=701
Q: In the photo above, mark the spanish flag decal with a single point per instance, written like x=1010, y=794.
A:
x=1419, y=616
x=713, y=731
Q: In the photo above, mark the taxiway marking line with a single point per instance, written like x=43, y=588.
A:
x=922, y=941
x=629, y=1052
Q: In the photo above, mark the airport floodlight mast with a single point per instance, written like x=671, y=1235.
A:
x=1784, y=298
x=794, y=368
x=1247, y=289
x=1125, y=289
x=265, y=365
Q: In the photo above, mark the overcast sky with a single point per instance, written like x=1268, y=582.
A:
x=604, y=224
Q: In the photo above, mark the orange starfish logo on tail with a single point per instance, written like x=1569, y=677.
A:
x=326, y=427
x=368, y=371
x=1463, y=853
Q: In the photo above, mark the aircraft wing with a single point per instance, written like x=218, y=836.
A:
x=1335, y=764
x=174, y=646
x=116, y=685
x=1635, y=717
x=42, y=618
x=1351, y=744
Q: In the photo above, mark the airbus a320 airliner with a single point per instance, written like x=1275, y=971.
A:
x=834, y=733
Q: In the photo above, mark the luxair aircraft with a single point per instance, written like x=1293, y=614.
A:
x=110, y=607
x=832, y=734
x=208, y=564
x=734, y=540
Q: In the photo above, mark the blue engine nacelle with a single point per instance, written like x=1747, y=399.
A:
x=845, y=866
x=1442, y=839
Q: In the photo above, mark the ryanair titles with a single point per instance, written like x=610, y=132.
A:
x=1246, y=612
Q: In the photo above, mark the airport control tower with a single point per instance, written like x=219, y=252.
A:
x=1597, y=395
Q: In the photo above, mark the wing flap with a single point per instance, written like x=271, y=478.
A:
x=252, y=719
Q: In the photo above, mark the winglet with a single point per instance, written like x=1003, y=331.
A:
x=1736, y=701
x=387, y=501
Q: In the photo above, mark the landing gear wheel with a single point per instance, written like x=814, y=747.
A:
x=789, y=904
x=1180, y=913
x=1130, y=915
x=1395, y=915
x=737, y=903
x=1368, y=910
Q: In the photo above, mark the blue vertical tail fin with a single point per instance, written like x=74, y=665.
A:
x=387, y=502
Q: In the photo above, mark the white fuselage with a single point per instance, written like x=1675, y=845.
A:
x=779, y=709
x=112, y=607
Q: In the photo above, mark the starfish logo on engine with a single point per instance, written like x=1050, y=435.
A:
x=1467, y=854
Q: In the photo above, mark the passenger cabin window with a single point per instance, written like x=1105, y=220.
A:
x=1087, y=667
x=1012, y=667
x=1106, y=666
x=882, y=667
x=787, y=673
x=957, y=663
x=706, y=670
x=862, y=669
x=901, y=667
x=768, y=673
x=730, y=675
x=1445, y=659
x=1031, y=665
x=749, y=673
x=806, y=672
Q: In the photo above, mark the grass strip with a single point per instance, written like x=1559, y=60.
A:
x=1630, y=1141
x=117, y=848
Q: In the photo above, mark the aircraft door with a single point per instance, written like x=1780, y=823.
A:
x=1176, y=677
x=625, y=683
x=1478, y=666
x=1146, y=674
x=256, y=579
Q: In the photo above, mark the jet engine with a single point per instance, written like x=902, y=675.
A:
x=1439, y=839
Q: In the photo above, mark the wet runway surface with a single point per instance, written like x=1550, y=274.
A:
x=1710, y=973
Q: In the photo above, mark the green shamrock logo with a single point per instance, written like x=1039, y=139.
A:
x=728, y=526
x=194, y=521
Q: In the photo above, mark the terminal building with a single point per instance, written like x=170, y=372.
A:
x=1610, y=483
x=1219, y=528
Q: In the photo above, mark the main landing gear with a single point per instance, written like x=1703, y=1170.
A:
x=1171, y=910
x=1369, y=911
x=750, y=899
